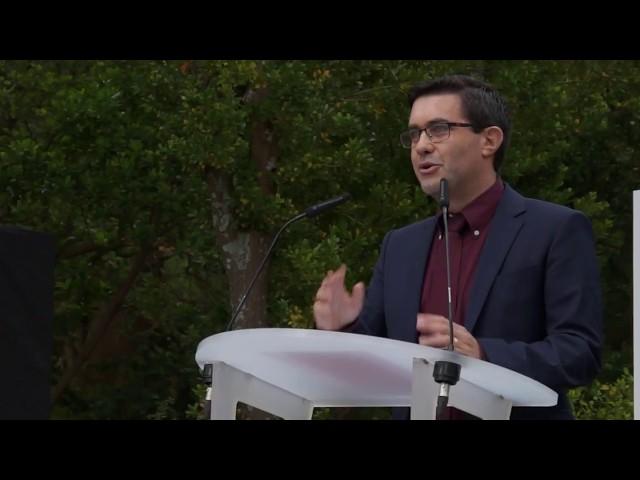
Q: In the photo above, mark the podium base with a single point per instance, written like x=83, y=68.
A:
x=231, y=386
x=289, y=372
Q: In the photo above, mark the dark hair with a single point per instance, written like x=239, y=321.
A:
x=481, y=104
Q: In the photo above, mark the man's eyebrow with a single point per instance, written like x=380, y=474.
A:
x=431, y=122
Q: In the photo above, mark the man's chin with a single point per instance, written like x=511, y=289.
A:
x=431, y=188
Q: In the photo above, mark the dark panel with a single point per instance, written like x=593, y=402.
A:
x=26, y=323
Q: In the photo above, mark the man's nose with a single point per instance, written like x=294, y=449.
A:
x=424, y=143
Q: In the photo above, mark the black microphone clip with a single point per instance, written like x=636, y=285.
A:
x=443, y=198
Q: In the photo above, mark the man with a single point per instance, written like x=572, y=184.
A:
x=525, y=282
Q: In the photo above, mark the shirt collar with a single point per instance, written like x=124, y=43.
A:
x=480, y=211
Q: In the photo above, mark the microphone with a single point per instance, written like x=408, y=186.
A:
x=446, y=373
x=308, y=213
x=443, y=199
x=207, y=372
x=322, y=207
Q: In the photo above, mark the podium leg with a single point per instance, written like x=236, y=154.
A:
x=424, y=391
x=231, y=386
x=464, y=396
x=479, y=402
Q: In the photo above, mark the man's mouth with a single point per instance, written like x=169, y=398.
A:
x=429, y=168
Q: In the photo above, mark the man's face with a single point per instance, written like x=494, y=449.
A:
x=458, y=158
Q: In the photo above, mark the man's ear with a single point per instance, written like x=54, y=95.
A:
x=492, y=138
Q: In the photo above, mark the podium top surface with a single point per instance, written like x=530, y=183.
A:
x=341, y=369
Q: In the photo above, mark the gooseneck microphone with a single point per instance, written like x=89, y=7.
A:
x=206, y=374
x=446, y=373
x=308, y=213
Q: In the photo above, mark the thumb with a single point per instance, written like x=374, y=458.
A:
x=358, y=294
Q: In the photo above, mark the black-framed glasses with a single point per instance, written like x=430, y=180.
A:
x=437, y=132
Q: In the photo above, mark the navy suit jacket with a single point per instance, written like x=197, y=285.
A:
x=535, y=305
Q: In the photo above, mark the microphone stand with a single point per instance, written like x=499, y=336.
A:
x=207, y=373
x=444, y=372
x=300, y=216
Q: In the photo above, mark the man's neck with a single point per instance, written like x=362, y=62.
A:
x=458, y=202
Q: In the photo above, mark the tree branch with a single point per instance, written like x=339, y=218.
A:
x=71, y=250
x=101, y=323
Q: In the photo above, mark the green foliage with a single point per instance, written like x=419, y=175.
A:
x=610, y=396
x=114, y=158
x=371, y=413
x=605, y=401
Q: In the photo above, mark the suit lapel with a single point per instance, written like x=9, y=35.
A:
x=505, y=226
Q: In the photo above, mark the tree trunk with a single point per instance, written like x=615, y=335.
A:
x=244, y=250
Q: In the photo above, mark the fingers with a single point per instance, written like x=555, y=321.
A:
x=467, y=345
x=442, y=341
x=322, y=315
x=429, y=323
x=437, y=340
x=324, y=292
x=333, y=289
x=322, y=305
x=327, y=278
x=461, y=332
x=332, y=277
x=334, y=306
x=432, y=334
x=434, y=331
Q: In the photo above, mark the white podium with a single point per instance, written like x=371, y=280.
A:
x=289, y=372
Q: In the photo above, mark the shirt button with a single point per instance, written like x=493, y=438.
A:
x=476, y=232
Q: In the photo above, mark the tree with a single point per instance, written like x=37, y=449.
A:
x=164, y=182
